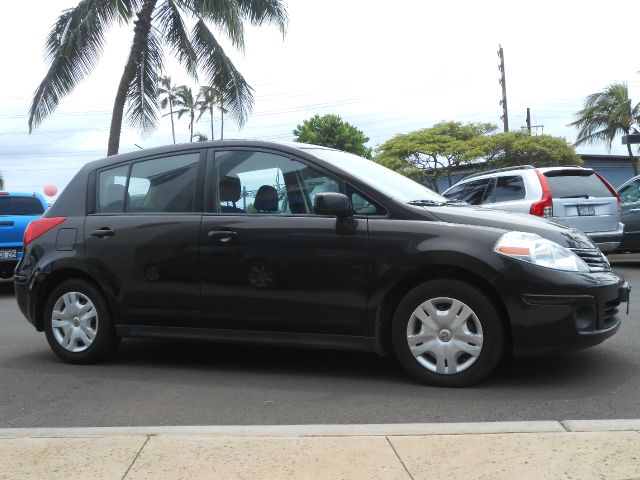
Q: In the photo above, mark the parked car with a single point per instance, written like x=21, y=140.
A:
x=16, y=211
x=630, y=197
x=574, y=196
x=197, y=241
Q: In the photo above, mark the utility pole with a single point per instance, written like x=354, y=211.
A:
x=529, y=120
x=503, y=102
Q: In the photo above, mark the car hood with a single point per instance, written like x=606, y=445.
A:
x=469, y=215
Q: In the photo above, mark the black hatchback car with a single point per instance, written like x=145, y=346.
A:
x=293, y=244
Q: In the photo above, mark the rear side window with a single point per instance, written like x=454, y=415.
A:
x=474, y=191
x=163, y=184
x=509, y=188
x=630, y=193
x=111, y=187
x=20, y=206
x=576, y=183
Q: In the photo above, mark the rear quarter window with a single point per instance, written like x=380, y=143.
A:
x=20, y=206
x=576, y=184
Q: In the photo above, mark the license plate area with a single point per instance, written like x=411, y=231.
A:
x=8, y=254
x=586, y=210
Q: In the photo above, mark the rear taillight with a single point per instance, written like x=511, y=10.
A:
x=543, y=208
x=39, y=227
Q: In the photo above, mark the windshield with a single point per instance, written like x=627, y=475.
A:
x=387, y=181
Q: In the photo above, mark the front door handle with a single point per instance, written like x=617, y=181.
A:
x=222, y=235
x=103, y=232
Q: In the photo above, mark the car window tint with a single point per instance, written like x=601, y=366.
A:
x=164, y=184
x=111, y=189
x=576, y=183
x=509, y=188
x=630, y=193
x=362, y=204
x=261, y=182
x=474, y=191
x=456, y=192
x=27, y=206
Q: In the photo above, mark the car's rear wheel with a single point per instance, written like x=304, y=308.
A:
x=448, y=333
x=77, y=323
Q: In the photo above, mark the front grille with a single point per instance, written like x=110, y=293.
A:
x=594, y=258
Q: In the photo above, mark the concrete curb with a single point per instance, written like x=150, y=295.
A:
x=407, y=429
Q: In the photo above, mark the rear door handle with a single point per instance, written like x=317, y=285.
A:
x=222, y=235
x=103, y=232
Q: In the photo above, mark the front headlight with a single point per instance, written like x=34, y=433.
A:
x=532, y=248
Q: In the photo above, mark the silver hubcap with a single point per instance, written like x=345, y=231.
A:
x=74, y=322
x=444, y=335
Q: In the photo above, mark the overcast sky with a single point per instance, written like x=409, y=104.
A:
x=386, y=67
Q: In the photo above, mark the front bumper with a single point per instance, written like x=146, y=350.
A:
x=550, y=310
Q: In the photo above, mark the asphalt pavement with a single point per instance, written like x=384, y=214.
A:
x=156, y=383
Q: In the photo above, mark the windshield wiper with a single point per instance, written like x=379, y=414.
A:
x=426, y=203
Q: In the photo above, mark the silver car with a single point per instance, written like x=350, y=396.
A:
x=630, y=197
x=574, y=196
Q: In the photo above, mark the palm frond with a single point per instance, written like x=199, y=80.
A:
x=259, y=12
x=235, y=92
x=224, y=14
x=72, y=49
x=173, y=30
x=143, y=94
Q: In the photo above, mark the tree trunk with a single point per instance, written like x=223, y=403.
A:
x=221, y=123
x=211, y=115
x=191, y=126
x=173, y=130
x=634, y=164
x=141, y=33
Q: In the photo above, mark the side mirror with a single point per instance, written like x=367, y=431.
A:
x=331, y=203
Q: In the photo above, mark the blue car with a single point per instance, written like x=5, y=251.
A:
x=16, y=211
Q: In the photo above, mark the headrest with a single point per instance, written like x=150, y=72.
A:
x=230, y=189
x=266, y=199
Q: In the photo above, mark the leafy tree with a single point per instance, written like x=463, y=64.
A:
x=518, y=148
x=200, y=137
x=1, y=181
x=187, y=104
x=332, y=131
x=607, y=114
x=168, y=94
x=427, y=154
x=74, y=45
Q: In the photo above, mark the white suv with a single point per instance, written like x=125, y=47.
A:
x=574, y=196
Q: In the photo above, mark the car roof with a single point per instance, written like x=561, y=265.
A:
x=20, y=194
x=292, y=147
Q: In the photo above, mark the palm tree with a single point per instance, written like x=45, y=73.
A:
x=74, y=45
x=168, y=94
x=209, y=100
x=186, y=104
x=607, y=114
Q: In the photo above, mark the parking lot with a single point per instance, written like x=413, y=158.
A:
x=189, y=383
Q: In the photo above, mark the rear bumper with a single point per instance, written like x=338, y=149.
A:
x=608, y=241
x=7, y=267
x=23, y=298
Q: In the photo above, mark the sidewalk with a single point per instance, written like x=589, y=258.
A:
x=606, y=449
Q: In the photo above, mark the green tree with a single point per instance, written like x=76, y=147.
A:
x=187, y=104
x=607, y=114
x=168, y=94
x=518, y=148
x=1, y=181
x=74, y=45
x=427, y=154
x=332, y=131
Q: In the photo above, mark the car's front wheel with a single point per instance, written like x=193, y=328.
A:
x=77, y=323
x=448, y=333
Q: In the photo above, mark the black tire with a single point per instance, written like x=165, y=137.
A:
x=105, y=339
x=474, y=368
